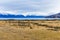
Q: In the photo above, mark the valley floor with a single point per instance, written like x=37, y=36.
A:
x=34, y=30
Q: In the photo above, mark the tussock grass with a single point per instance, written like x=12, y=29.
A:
x=33, y=30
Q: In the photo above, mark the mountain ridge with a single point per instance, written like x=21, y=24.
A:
x=19, y=16
x=54, y=16
x=29, y=16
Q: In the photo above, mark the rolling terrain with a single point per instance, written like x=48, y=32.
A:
x=29, y=29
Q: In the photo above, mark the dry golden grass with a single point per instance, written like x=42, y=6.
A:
x=30, y=30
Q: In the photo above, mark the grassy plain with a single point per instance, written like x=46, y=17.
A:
x=29, y=29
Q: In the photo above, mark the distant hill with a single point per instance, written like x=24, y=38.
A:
x=11, y=16
x=29, y=16
x=20, y=16
x=54, y=16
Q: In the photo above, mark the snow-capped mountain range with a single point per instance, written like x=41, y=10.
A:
x=29, y=16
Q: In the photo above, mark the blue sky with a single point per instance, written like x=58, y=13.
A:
x=29, y=7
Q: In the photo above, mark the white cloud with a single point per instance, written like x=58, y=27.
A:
x=22, y=13
x=34, y=13
x=29, y=7
x=8, y=12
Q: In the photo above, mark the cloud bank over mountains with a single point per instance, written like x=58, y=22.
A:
x=29, y=7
